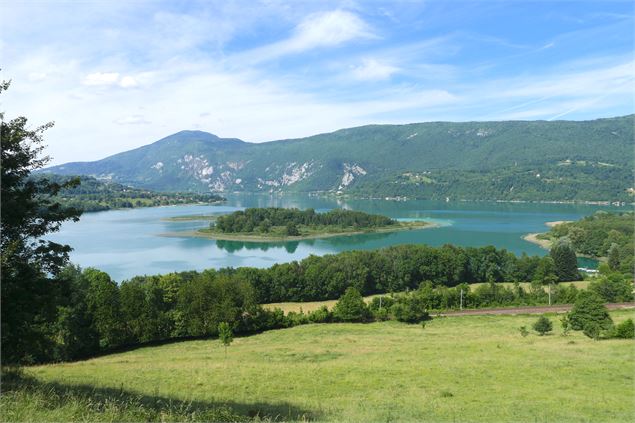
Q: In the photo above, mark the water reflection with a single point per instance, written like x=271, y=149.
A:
x=235, y=246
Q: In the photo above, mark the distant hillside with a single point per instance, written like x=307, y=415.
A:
x=516, y=160
x=94, y=195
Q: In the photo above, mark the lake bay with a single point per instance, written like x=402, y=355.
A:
x=126, y=243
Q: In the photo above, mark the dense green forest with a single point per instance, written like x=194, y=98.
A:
x=603, y=234
x=514, y=160
x=95, y=314
x=568, y=181
x=95, y=195
x=295, y=221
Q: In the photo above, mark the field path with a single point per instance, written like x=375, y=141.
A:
x=528, y=310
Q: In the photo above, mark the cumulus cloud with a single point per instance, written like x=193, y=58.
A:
x=371, y=69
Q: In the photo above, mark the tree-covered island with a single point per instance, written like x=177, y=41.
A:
x=265, y=224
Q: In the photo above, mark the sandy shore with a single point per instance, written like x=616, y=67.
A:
x=543, y=243
x=533, y=238
x=258, y=238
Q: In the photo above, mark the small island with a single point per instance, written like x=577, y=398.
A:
x=280, y=224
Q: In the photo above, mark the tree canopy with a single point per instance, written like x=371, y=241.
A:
x=29, y=212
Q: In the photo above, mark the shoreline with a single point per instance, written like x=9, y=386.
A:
x=546, y=243
x=543, y=243
x=257, y=238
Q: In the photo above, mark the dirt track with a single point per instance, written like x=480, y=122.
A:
x=560, y=308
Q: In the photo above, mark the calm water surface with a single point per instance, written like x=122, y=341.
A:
x=126, y=243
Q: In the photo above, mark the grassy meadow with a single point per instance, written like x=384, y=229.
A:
x=471, y=368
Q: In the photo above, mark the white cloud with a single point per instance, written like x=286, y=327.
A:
x=105, y=79
x=371, y=69
x=128, y=82
x=324, y=29
x=101, y=79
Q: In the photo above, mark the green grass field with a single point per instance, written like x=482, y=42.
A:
x=472, y=368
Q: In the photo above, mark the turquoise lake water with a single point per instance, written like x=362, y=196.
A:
x=126, y=243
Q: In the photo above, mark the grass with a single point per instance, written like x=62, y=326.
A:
x=309, y=306
x=475, y=368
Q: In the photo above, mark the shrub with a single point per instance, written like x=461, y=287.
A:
x=409, y=309
x=523, y=331
x=566, y=325
x=351, y=307
x=625, y=330
x=381, y=302
x=592, y=330
x=321, y=315
x=589, y=308
x=543, y=325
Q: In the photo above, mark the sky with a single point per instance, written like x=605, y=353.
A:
x=116, y=75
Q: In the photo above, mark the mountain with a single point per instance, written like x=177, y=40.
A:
x=512, y=160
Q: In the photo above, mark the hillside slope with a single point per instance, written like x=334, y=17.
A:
x=523, y=160
x=351, y=372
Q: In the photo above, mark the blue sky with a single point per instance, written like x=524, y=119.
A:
x=118, y=75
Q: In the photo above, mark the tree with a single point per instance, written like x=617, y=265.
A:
x=589, y=310
x=29, y=211
x=612, y=287
x=543, y=325
x=292, y=229
x=565, y=260
x=613, y=256
x=351, y=307
x=566, y=325
x=104, y=306
x=225, y=335
x=546, y=273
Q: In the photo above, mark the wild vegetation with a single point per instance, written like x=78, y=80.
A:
x=96, y=315
x=90, y=194
x=280, y=223
x=346, y=372
x=603, y=234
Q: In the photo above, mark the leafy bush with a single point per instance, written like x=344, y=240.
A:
x=409, y=309
x=351, y=307
x=523, y=331
x=592, y=330
x=543, y=325
x=588, y=310
x=625, y=330
x=321, y=315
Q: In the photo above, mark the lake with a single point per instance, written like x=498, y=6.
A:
x=125, y=243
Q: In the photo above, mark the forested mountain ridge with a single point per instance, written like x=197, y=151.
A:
x=94, y=195
x=513, y=160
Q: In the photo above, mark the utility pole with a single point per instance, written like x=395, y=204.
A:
x=549, y=294
x=461, y=298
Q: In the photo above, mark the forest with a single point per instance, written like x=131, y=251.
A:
x=88, y=313
x=603, y=234
x=89, y=194
x=264, y=219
